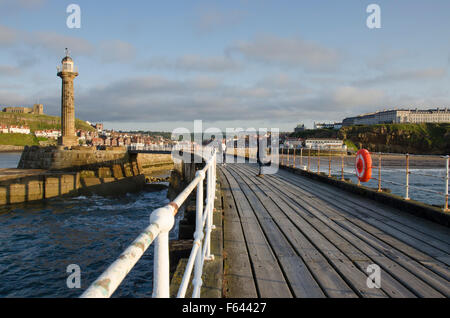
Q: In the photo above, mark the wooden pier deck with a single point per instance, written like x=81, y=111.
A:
x=289, y=236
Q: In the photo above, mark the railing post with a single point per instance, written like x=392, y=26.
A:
x=379, y=172
x=318, y=159
x=301, y=158
x=342, y=168
x=288, y=162
x=198, y=237
x=293, y=166
x=309, y=159
x=161, y=275
x=407, y=177
x=329, y=162
x=446, y=183
x=210, y=198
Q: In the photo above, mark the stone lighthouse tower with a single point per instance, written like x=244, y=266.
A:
x=67, y=72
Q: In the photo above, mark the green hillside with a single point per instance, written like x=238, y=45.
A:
x=39, y=122
x=396, y=138
x=405, y=138
x=20, y=140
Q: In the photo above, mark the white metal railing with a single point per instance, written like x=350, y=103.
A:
x=304, y=159
x=151, y=147
x=60, y=68
x=161, y=222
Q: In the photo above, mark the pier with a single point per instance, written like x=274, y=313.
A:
x=290, y=234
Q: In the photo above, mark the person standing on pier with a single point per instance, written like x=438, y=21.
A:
x=258, y=156
x=223, y=151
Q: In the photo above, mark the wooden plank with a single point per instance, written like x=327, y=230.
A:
x=434, y=235
x=330, y=281
x=238, y=276
x=421, y=225
x=390, y=285
x=400, y=258
x=297, y=274
x=269, y=278
x=433, y=264
x=354, y=276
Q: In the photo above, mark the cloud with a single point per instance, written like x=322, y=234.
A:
x=153, y=99
x=21, y=4
x=8, y=70
x=194, y=63
x=55, y=43
x=349, y=96
x=214, y=18
x=386, y=57
x=116, y=51
x=290, y=52
x=8, y=36
x=50, y=42
x=408, y=75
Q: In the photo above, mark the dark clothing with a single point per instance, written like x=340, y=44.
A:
x=258, y=158
x=258, y=155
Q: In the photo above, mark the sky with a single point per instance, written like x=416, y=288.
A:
x=160, y=65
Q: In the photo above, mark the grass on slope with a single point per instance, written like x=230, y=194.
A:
x=39, y=122
x=20, y=140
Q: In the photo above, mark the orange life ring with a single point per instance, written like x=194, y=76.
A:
x=363, y=165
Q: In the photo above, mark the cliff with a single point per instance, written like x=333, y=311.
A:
x=394, y=138
x=400, y=138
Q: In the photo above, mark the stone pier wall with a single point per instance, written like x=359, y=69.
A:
x=37, y=185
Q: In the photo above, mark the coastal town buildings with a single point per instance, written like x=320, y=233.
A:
x=293, y=143
x=400, y=116
x=335, y=126
x=49, y=133
x=4, y=129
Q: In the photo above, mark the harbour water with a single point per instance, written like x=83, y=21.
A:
x=38, y=241
x=9, y=159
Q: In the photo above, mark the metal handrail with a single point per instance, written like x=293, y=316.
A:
x=408, y=172
x=162, y=221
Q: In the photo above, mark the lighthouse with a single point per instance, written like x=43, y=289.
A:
x=67, y=72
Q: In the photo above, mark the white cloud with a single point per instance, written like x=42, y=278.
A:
x=8, y=36
x=213, y=18
x=8, y=70
x=291, y=52
x=349, y=96
x=405, y=75
x=21, y=4
x=55, y=43
x=116, y=51
x=194, y=63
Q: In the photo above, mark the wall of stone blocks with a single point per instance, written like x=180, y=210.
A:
x=38, y=187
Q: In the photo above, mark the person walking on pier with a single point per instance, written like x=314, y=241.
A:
x=223, y=151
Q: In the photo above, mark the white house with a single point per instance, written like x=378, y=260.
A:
x=50, y=133
x=19, y=130
x=322, y=143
